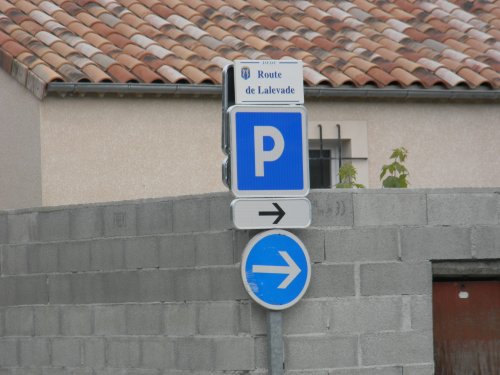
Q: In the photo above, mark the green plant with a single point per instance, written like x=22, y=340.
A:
x=398, y=174
x=347, y=177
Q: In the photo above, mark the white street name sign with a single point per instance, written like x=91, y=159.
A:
x=269, y=82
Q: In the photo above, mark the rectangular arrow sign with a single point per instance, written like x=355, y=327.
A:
x=266, y=213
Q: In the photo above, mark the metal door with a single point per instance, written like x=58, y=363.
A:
x=466, y=327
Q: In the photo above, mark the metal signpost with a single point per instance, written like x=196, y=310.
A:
x=264, y=135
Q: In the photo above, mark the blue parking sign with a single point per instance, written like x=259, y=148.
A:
x=269, y=151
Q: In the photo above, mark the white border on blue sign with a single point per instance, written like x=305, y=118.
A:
x=244, y=258
x=234, y=162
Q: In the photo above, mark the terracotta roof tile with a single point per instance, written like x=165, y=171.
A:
x=120, y=74
x=189, y=41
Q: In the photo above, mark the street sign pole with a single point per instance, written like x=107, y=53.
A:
x=264, y=135
x=275, y=349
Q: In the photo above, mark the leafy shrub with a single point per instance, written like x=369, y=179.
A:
x=398, y=174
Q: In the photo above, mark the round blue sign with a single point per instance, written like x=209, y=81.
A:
x=276, y=269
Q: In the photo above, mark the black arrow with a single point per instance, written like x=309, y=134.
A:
x=280, y=213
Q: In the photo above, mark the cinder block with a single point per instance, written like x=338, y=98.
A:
x=177, y=251
x=121, y=287
x=34, y=351
x=385, y=370
x=219, y=318
x=94, y=352
x=397, y=348
x=64, y=371
x=426, y=369
x=88, y=288
x=8, y=352
x=362, y=244
x=214, y=249
x=192, y=284
x=74, y=256
x=2, y=323
x=191, y=215
x=22, y=228
x=258, y=316
x=421, y=313
x=86, y=222
x=396, y=278
x=53, y=225
x=486, y=242
x=240, y=241
x=109, y=320
x=329, y=280
x=43, y=258
x=179, y=319
x=60, y=289
x=47, y=321
x=156, y=286
x=66, y=352
x=14, y=259
x=462, y=209
x=8, y=291
x=120, y=220
x=220, y=212
x=107, y=255
x=143, y=319
x=76, y=320
x=154, y=218
x=314, y=241
x=124, y=353
x=331, y=209
x=367, y=314
x=4, y=229
x=205, y=353
x=226, y=284
x=19, y=321
x=234, y=353
x=306, y=317
x=158, y=353
x=29, y=290
x=141, y=252
x=260, y=352
x=429, y=243
x=398, y=208
x=304, y=352
x=24, y=371
x=245, y=317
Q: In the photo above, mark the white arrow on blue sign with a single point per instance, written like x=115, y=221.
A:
x=269, y=151
x=276, y=269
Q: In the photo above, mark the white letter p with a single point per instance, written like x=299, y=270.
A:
x=261, y=155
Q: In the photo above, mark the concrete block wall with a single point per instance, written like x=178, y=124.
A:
x=154, y=287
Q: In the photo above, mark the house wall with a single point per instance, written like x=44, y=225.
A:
x=20, y=167
x=104, y=149
x=154, y=287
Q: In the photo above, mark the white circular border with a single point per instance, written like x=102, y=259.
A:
x=244, y=258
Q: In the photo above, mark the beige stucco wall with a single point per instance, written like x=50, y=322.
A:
x=102, y=149
x=450, y=145
x=20, y=173
x=107, y=149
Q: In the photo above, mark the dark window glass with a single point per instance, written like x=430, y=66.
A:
x=320, y=171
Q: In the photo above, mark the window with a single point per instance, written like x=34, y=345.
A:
x=330, y=145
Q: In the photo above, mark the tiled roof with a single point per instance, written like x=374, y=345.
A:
x=359, y=43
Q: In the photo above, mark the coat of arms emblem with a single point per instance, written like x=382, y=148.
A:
x=245, y=72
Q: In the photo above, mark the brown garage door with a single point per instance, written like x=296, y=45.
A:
x=467, y=327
